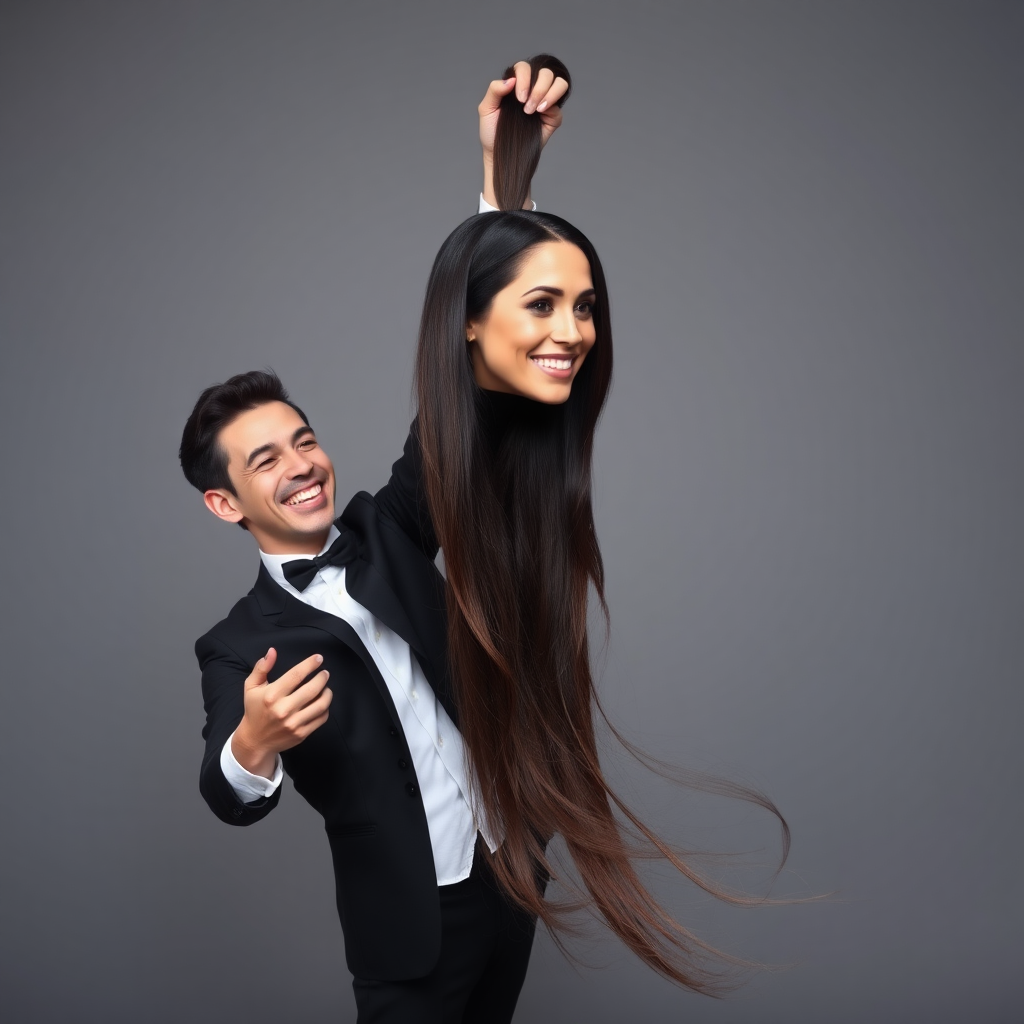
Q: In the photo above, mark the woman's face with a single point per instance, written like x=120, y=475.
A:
x=539, y=329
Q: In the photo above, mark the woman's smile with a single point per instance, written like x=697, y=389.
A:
x=559, y=367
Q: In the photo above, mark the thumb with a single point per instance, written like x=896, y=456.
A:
x=495, y=91
x=258, y=675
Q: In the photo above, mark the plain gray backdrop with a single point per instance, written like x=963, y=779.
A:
x=808, y=477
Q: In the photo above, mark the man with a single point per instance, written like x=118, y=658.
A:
x=357, y=601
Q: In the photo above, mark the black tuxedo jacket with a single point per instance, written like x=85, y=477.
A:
x=355, y=769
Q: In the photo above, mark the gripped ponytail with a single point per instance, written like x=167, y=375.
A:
x=517, y=138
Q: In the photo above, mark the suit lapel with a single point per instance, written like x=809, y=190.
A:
x=395, y=581
x=371, y=590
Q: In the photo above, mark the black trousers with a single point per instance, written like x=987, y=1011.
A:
x=485, y=950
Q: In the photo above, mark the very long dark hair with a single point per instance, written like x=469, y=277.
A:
x=508, y=486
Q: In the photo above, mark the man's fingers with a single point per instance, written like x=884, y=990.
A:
x=558, y=89
x=311, y=726
x=258, y=675
x=545, y=79
x=492, y=98
x=286, y=706
x=301, y=721
x=297, y=675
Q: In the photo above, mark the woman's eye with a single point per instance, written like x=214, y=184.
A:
x=584, y=309
x=540, y=306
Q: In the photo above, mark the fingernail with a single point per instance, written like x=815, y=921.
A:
x=327, y=675
x=542, y=106
x=319, y=658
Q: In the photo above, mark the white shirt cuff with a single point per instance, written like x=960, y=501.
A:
x=485, y=207
x=248, y=787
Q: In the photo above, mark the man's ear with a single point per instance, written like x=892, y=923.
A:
x=223, y=504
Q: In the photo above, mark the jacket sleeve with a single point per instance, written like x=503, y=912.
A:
x=403, y=499
x=224, y=674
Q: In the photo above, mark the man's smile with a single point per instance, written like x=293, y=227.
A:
x=304, y=496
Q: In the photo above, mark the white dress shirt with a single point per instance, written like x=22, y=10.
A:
x=435, y=744
x=485, y=207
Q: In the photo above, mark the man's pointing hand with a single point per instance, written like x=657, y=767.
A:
x=281, y=714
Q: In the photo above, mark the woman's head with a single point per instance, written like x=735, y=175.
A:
x=517, y=302
x=536, y=332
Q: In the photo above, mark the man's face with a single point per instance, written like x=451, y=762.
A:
x=284, y=481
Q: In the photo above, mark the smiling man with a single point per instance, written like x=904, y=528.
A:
x=334, y=669
x=378, y=753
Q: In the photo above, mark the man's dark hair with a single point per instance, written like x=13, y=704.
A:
x=203, y=461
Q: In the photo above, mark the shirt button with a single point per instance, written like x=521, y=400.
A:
x=414, y=695
x=376, y=636
x=410, y=789
x=440, y=741
x=403, y=764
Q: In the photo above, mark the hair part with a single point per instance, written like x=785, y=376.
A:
x=203, y=461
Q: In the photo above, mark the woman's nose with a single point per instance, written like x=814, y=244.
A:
x=567, y=330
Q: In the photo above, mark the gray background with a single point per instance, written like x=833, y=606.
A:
x=808, y=478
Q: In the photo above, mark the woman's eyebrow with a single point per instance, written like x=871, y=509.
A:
x=557, y=291
x=544, y=288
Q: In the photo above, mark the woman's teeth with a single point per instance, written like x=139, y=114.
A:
x=309, y=492
x=553, y=364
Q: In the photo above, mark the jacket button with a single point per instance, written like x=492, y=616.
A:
x=403, y=765
x=393, y=731
x=236, y=812
x=410, y=789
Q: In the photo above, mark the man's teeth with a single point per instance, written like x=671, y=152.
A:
x=309, y=492
x=553, y=364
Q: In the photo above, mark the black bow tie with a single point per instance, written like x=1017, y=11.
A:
x=300, y=571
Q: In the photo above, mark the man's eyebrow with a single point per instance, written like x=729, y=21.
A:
x=270, y=445
x=257, y=452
